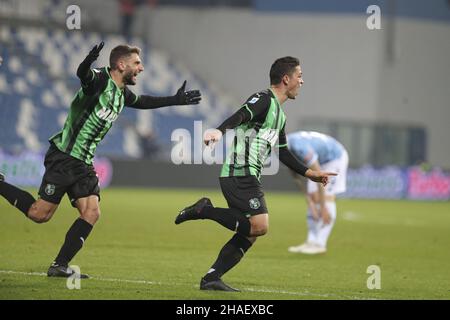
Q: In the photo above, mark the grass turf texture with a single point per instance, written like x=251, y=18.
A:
x=137, y=252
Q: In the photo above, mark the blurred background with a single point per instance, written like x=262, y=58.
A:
x=384, y=93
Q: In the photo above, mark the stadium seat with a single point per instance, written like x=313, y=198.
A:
x=38, y=78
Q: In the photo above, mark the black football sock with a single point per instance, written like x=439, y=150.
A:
x=75, y=237
x=231, y=253
x=231, y=219
x=20, y=199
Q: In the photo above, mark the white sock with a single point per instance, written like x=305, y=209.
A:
x=312, y=228
x=324, y=230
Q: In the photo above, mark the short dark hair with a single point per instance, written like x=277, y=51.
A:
x=119, y=52
x=281, y=67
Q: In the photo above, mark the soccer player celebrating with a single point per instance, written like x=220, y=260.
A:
x=317, y=150
x=263, y=121
x=69, y=159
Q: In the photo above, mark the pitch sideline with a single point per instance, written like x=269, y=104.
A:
x=147, y=282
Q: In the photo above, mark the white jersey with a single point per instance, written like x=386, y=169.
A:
x=310, y=146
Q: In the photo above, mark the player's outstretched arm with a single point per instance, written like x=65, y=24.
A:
x=319, y=176
x=255, y=106
x=234, y=120
x=182, y=97
x=84, y=71
x=289, y=160
x=211, y=136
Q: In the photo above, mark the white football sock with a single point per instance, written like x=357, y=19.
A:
x=324, y=230
x=313, y=228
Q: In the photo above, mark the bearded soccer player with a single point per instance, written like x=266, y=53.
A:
x=262, y=120
x=69, y=159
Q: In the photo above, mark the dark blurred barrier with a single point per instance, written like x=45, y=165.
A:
x=145, y=173
x=366, y=182
x=388, y=182
x=27, y=168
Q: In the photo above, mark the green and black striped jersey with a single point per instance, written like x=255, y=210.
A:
x=92, y=112
x=255, y=137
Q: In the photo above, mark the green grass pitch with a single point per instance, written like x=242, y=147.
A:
x=137, y=252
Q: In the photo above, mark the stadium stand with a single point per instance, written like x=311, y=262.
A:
x=38, y=80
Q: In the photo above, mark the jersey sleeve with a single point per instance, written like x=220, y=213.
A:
x=256, y=106
x=92, y=83
x=130, y=98
x=289, y=160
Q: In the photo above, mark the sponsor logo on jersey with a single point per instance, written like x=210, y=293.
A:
x=270, y=135
x=107, y=114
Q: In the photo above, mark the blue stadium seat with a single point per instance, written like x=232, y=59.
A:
x=39, y=73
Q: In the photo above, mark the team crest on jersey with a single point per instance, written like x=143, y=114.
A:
x=50, y=189
x=254, y=203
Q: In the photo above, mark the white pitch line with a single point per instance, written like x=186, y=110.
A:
x=292, y=293
x=91, y=278
x=147, y=282
x=24, y=273
x=388, y=221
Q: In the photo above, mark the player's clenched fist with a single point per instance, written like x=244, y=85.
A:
x=212, y=136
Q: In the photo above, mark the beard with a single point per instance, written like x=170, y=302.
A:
x=128, y=78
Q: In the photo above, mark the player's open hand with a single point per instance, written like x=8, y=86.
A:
x=95, y=52
x=319, y=176
x=188, y=97
x=211, y=136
